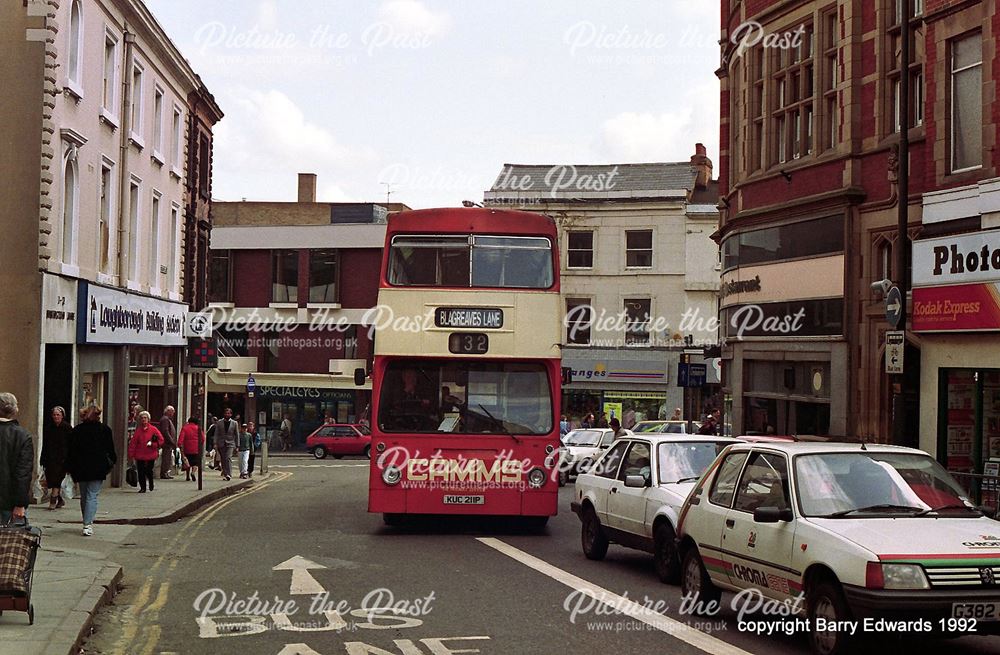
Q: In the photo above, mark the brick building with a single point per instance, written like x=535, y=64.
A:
x=809, y=137
x=290, y=285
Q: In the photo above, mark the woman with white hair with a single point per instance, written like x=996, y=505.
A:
x=55, y=440
x=90, y=456
x=143, y=448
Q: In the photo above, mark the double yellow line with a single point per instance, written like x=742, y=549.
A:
x=148, y=613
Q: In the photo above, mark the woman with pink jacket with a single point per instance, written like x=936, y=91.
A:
x=144, y=448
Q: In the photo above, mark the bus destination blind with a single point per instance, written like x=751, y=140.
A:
x=469, y=317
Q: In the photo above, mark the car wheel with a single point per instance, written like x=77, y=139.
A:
x=563, y=478
x=319, y=452
x=665, y=559
x=595, y=543
x=825, y=600
x=696, y=585
x=368, y=452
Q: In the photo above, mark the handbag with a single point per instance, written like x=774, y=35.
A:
x=184, y=463
x=132, y=476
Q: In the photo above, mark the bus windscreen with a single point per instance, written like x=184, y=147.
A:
x=471, y=262
x=465, y=397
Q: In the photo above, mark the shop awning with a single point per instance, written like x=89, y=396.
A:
x=237, y=382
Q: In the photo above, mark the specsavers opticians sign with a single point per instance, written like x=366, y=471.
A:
x=111, y=316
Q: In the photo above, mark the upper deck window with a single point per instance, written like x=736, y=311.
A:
x=471, y=261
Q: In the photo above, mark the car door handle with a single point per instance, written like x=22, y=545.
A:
x=730, y=523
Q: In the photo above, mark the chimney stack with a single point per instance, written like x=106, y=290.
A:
x=702, y=164
x=307, y=187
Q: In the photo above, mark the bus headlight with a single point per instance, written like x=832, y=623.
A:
x=536, y=478
x=904, y=576
x=391, y=475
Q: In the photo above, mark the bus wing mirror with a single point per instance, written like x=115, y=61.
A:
x=359, y=377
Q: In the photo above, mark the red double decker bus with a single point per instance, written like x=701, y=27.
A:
x=466, y=377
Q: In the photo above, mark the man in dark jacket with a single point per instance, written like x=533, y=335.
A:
x=169, y=432
x=17, y=456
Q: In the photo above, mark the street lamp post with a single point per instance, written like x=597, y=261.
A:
x=902, y=236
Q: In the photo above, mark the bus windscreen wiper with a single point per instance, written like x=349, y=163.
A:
x=499, y=423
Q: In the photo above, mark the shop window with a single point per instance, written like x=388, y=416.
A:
x=284, y=275
x=970, y=424
x=581, y=250
x=579, y=316
x=323, y=276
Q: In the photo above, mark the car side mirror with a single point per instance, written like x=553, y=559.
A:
x=635, y=481
x=771, y=515
x=359, y=377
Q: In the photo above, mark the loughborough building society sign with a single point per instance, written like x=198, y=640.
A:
x=110, y=316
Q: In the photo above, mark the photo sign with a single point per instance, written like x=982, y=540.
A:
x=112, y=316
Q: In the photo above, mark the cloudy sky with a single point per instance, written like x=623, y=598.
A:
x=434, y=96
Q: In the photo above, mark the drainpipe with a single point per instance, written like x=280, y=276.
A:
x=123, y=177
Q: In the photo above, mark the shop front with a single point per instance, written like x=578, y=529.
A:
x=128, y=352
x=956, y=313
x=308, y=400
x=630, y=385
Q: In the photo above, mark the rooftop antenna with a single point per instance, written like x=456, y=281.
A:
x=388, y=189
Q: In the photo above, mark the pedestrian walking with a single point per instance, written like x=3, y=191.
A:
x=286, y=433
x=255, y=443
x=603, y=421
x=169, y=432
x=564, y=426
x=55, y=441
x=245, y=445
x=143, y=448
x=619, y=431
x=191, y=441
x=226, y=434
x=90, y=456
x=17, y=457
x=588, y=421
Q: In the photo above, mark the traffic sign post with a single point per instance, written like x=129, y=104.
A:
x=251, y=385
x=895, y=341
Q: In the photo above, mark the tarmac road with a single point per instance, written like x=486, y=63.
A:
x=209, y=584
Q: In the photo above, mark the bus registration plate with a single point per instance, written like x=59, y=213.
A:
x=465, y=500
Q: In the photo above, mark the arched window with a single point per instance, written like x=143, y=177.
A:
x=75, y=43
x=71, y=192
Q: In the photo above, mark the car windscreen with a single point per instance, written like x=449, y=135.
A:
x=648, y=426
x=686, y=460
x=583, y=438
x=865, y=483
x=465, y=397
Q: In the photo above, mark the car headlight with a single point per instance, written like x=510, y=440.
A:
x=391, y=475
x=536, y=478
x=904, y=576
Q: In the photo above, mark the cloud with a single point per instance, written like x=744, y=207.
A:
x=265, y=136
x=414, y=17
x=665, y=136
x=267, y=15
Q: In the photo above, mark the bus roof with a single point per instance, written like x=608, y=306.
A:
x=471, y=220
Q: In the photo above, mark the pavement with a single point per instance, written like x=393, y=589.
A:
x=74, y=575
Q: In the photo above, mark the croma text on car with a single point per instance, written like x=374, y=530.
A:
x=633, y=494
x=865, y=532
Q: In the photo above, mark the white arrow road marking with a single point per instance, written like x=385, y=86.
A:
x=303, y=583
x=297, y=649
x=672, y=627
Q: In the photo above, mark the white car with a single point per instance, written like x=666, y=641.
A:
x=581, y=448
x=671, y=427
x=633, y=494
x=865, y=532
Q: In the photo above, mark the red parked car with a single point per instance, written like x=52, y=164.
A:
x=339, y=439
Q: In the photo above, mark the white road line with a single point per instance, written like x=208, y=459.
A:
x=672, y=627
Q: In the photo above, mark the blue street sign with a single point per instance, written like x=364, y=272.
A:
x=893, y=307
x=251, y=384
x=691, y=375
